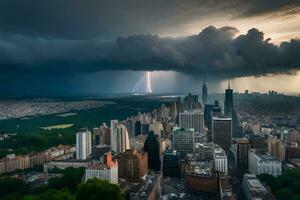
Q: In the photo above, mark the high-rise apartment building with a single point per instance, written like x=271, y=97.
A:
x=192, y=119
x=122, y=138
x=83, y=144
x=222, y=132
x=113, y=140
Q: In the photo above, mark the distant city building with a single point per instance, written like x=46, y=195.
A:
x=276, y=147
x=204, y=151
x=253, y=188
x=157, y=128
x=151, y=146
x=138, y=128
x=113, y=140
x=104, y=134
x=141, y=128
x=133, y=165
x=228, y=104
x=204, y=92
x=173, y=110
x=243, y=147
x=171, y=164
x=191, y=102
x=263, y=164
x=220, y=159
x=105, y=170
x=208, y=109
x=222, y=132
x=192, y=119
x=122, y=138
x=99, y=151
x=258, y=143
x=183, y=140
x=83, y=144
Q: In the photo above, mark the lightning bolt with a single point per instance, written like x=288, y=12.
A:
x=149, y=82
x=144, y=80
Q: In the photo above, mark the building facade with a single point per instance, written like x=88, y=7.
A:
x=151, y=146
x=263, y=164
x=220, y=159
x=222, y=132
x=192, y=119
x=183, y=140
x=133, y=165
x=83, y=144
x=105, y=170
x=243, y=147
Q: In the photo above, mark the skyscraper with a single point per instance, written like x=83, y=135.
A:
x=243, y=147
x=122, y=138
x=183, y=140
x=151, y=146
x=83, y=144
x=113, y=140
x=192, y=119
x=228, y=104
x=204, y=93
x=222, y=132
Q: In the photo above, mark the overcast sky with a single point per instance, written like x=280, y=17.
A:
x=97, y=46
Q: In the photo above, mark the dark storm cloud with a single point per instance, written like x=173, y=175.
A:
x=108, y=19
x=215, y=51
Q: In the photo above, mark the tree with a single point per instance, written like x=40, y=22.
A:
x=284, y=194
x=56, y=195
x=95, y=189
x=10, y=185
x=70, y=179
x=271, y=181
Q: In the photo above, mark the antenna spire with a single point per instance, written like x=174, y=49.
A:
x=228, y=84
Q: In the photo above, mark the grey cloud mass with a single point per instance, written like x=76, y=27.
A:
x=103, y=18
x=53, y=41
x=215, y=51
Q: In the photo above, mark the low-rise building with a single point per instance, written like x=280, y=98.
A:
x=253, y=188
x=171, y=164
x=220, y=159
x=105, y=170
x=263, y=164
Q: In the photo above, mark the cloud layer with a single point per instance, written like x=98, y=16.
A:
x=215, y=51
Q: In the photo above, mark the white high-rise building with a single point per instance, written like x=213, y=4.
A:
x=220, y=158
x=192, y=119
x=113, y=139
x=183, y=140
x=83, y=144
x=263, y=164
x=122, y=138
